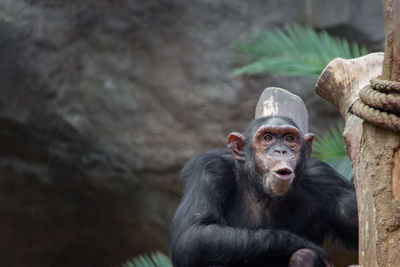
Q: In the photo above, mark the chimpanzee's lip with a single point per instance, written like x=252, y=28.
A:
x=283, y=173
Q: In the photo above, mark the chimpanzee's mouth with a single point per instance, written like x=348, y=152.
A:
x=284, y=173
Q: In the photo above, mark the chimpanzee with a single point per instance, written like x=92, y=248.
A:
x=262, y=202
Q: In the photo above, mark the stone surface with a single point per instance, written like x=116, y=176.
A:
x=101, y=104
x=357, y=20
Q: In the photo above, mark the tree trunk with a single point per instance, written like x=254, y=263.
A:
x=374, y=151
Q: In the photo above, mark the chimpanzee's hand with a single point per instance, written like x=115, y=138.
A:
x=310, y=258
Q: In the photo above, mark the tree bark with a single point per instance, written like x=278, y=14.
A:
x=374, y=151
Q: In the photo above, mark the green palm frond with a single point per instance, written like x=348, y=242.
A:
x=153, y=260
x=330, y=148
x=292, y=51
x=330, y=144
x=343, y=166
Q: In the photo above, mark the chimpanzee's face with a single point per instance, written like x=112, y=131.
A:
x=277, y=150
x=274, y=149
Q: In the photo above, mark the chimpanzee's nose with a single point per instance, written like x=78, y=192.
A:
x=280, y=150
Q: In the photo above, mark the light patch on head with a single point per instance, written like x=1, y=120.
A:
x=270, y=107
x=280, y=102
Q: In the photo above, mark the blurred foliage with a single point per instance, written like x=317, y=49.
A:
x=330, y=148
x=153, y=260
x=292, y=51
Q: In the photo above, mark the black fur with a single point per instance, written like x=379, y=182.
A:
x=217, y=224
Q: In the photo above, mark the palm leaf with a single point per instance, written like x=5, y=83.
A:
x=294, y=51
x=331, y=149
x=153, y=260
x=343, y=166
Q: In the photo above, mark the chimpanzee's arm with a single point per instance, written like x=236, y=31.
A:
x=199, y=234
x=339, y=199
x=344, y=216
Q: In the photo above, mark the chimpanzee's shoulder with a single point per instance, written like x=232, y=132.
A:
x=322, y=173
x=317, y=165
x=214, y=163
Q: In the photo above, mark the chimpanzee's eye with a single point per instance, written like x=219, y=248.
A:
x=289, y=138
x=267, y=137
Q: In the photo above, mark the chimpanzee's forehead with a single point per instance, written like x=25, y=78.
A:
x=273, y=120
x=279, y=121
x=269, y=120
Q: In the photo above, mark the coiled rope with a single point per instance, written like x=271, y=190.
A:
x=379, y=104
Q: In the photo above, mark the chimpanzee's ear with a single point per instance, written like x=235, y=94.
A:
x=309, y=138
x=237, y=144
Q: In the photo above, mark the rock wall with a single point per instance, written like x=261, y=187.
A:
x=103, y=101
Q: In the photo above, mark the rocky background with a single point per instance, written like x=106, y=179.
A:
x=103, y=101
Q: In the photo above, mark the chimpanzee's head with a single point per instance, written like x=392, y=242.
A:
x=272, y=151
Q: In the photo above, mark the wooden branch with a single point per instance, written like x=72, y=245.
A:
x=391, y=66
x=340, y=83
x=391, y=69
